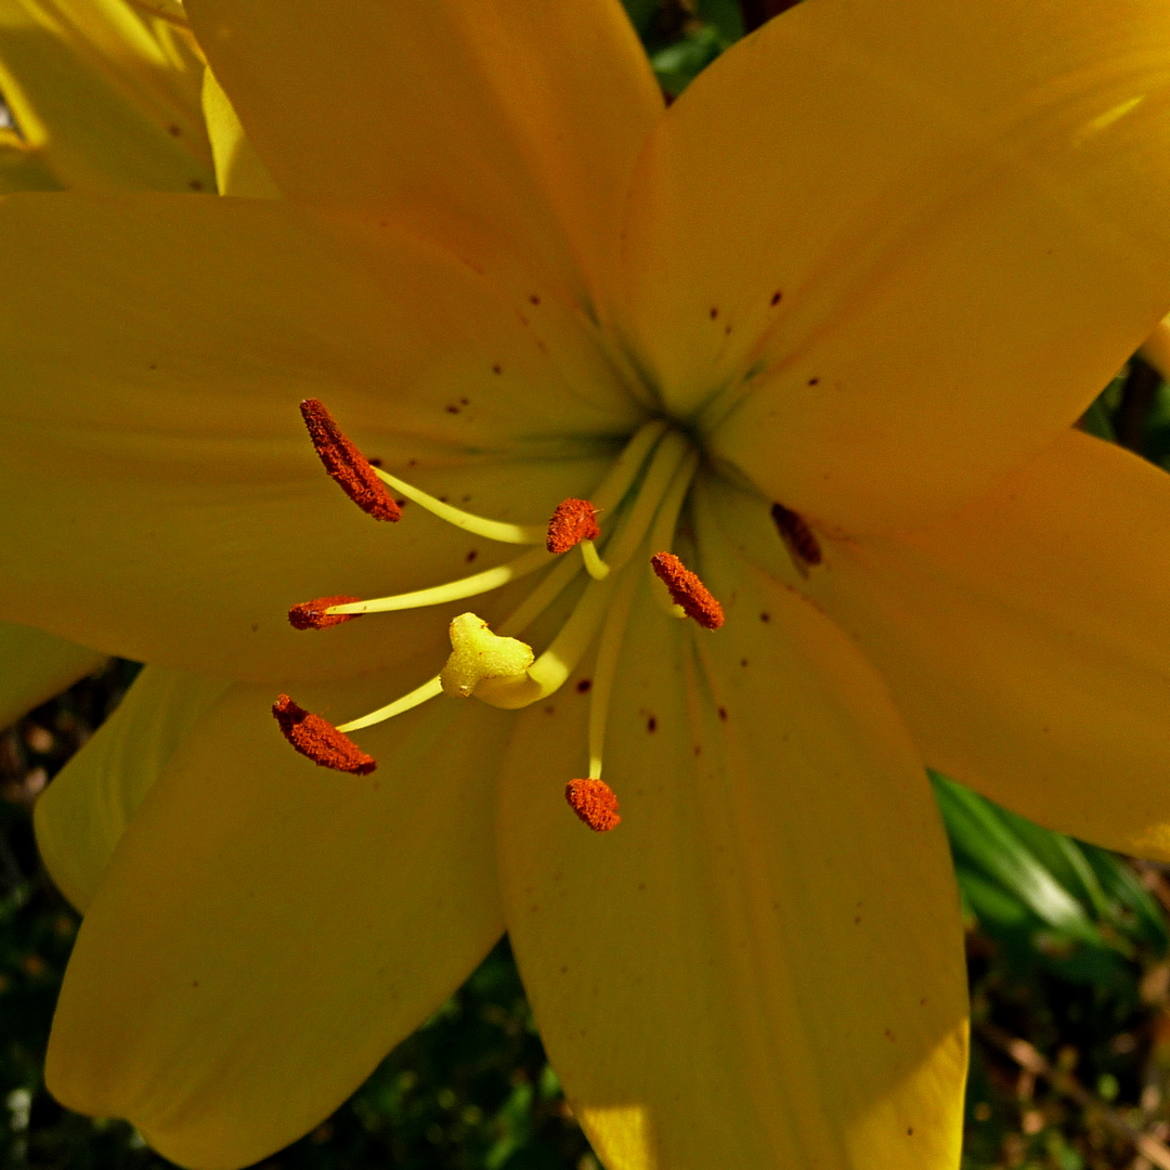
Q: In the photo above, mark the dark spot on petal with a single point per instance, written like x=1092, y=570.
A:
x=452, y=409
x=472, y=554
x=174, y=130
x=777, y=296
x=765, y=617
x=743, y=662
x=652, y=725
x=814, y=381
x=584, y=685
x=533, y=299
x=497, y=368
x=196, y=185
x=255, y=627
x=713, y=312
x=723, y=714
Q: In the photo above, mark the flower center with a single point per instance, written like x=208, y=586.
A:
x=640, y=499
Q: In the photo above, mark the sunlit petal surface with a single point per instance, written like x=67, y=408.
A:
x=1027, y=640
x=253, y=305
x=524, y=147
x=749, y=971
x=909, y=239
x=343, y=911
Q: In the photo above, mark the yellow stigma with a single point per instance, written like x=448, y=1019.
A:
x=478, y=655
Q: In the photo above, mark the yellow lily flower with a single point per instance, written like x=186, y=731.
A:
x=107, y=95
x=817, y=332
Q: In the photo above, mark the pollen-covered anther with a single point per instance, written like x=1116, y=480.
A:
x=312, y=615
x=572, y=522
x=318, y=739
x=687, y=591
x=346, y=465
x=798, y=537
x=595, y=803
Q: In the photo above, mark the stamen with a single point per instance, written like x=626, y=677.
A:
x=457, y=590
x=318, y=739
x=687, y=590
x=346, y=465
x=573, y=521
x=314, y=615
x=497, y=530
x=595, y=803
x=798, y=537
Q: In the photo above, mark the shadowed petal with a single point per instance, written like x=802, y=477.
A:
x=162, y=447
x=762, y=964
x=82, y=815
x=1027, y=640
x=289, y=926
x=507, y=122
x=918, y=240
x=35, y=666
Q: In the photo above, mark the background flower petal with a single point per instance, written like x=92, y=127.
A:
x=106, y=95
x=908, y=243
x=81, y=816
x=513, y=125
x=1027, y=640
x=762, y=964
x=288, y=926
x=158, y=481
x=238, y=168
x=35, y=666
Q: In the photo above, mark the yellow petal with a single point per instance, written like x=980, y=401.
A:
x=238, y=168
x=23, y=167
x=35, y=666
x=107, y=95
x=762, y=964
x=513, y=124
x=81, y=816
x=1027, y=640
x=175, y=510
x=288, y=926
x=906, y=246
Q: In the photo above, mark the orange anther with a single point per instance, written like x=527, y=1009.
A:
x=798, y=537
x=348, y=467
x=572, y=522
x=318, y=739
x=687, y=590
x=595, y=803
x=311, y=615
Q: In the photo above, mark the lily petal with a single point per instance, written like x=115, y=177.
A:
x=790, y=990
x=181, y=478
x=484, y=117
x=35, y=666
x=107, y=96
x=289, y=926
x=910, y=243
x=82, y=815
x=1027, y=640
x=238, y=168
